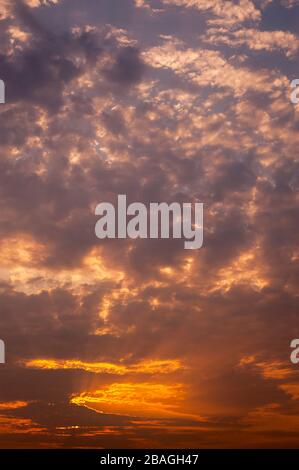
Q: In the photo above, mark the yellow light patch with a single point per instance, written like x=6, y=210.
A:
x=135, y=399
x=143, y=367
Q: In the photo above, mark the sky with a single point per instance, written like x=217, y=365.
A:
x=141, y=343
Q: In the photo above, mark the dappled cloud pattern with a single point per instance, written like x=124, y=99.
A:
x=140, y=343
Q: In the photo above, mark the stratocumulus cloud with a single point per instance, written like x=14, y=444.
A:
x=182, y=101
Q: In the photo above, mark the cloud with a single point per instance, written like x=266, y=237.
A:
x=135, y=399
x=181, y=101
x=225, y=14
x=145, y=367
x=128, y=67
x=256, y=40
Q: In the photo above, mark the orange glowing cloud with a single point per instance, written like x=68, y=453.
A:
x=12, y=405
x=143, y=367
x=276, y=370
x=136, y=399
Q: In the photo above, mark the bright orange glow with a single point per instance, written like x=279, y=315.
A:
x=135, y=399
x=269, y=370
x=122, y=342
x=245, y=269
x=12, y=405
x=143, y=367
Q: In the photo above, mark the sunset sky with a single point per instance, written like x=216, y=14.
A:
x=141, y=343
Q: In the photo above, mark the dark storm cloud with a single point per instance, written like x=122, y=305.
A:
x=128, y=67
x=64, y=414
x=39, y=76
x=41, y=71
x=231, y=177
x=58, y=323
